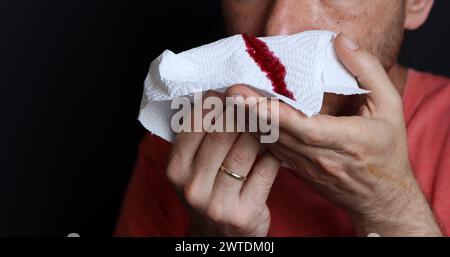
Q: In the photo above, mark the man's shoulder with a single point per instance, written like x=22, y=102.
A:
x=427, y=96
x=428, y=84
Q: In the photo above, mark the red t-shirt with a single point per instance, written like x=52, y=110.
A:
x=152, y=208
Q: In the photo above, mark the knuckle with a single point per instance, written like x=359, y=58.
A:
x=358, y=165
x=216, y=213
x=244, y=219
x=240, y=222
x=356, y=150
x=312, y=138
x=331, y=166
x=213, y=95
x=174, y=171
x=217, y=138
x=193, y=196
x=239, y=156
x=319, y=159
x=235, y=89
x=173, y=176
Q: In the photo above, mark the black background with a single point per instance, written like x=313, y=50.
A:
x=71, y=82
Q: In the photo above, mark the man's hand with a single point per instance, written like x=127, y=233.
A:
x=359, y=162
x=218, y=202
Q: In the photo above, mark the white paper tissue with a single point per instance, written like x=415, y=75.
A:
x=309, y=58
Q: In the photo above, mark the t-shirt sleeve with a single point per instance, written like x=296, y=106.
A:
x=427, y=112
x=151, y=206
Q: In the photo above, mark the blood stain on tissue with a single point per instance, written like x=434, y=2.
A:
x=268, y=63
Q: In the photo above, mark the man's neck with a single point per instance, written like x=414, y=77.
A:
x=398, y=75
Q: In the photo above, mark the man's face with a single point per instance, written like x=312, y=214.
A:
x=377, y=26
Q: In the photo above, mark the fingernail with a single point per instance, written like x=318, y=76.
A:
x=350, y=44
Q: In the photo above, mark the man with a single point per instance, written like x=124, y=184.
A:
x=380, y=165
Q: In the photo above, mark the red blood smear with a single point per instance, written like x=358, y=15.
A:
x=268, y=63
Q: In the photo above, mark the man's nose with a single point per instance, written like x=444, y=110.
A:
x=285, y=17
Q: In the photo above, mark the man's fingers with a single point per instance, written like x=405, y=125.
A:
x=325, y=158
x=371, y=75
x=239, y=160
x=210, y=156
x=319, y=130
x=303, y=166
x=260, y=180
x=186, y=144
